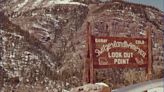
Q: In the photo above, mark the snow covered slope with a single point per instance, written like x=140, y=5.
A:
x=42, y=42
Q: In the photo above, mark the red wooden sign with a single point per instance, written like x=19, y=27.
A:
x=111, y=52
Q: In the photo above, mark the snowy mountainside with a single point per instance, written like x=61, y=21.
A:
x=51, y=31
x=24, y=5
x=43, y=41
x=123, y=19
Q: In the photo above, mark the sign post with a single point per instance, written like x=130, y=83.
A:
x=149, y=67
x=88, y=64
x=86, y=75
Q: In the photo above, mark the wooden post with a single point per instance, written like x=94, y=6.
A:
x=92, y=80
x=149, y=67
x=86, y=76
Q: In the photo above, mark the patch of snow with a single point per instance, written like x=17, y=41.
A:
x=151, y=15
x=34, y=14
x=52, y=17
x=37, y=2
x=40, y=27
x=119, y=18
x=12, y=56
x=13, y=63
x=34, y=57
x=42, y=22
x=62, y=0
x=27, y=52
x=123, y=11
x=52, y=2
x=158, y=89
x=4, y=39
x=19, y=6
x=16, y=35
x=102, y=84
x=15, y=1
x=117, y=2
x=74, y=3
x=142, y=33
x=108, y=10
x=64, y=90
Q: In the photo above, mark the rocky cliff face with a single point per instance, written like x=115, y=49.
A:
x=42, y=42
x=39, y=45
x=123, y=19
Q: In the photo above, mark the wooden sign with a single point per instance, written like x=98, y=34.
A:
x=111, y=52
x=119, y=52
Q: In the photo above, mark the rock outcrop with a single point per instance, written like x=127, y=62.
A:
x=42, y=42
x=97, y=87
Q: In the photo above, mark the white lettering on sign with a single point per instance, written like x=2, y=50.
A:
x=121, y=61
x=139, y=41
x=125, y=44
x=128, y=55
x=115, y=55
x=120, y=57
x=120, y=54
x=100, y=40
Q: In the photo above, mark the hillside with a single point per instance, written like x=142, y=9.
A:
x=42, y=42
x=123, y=19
